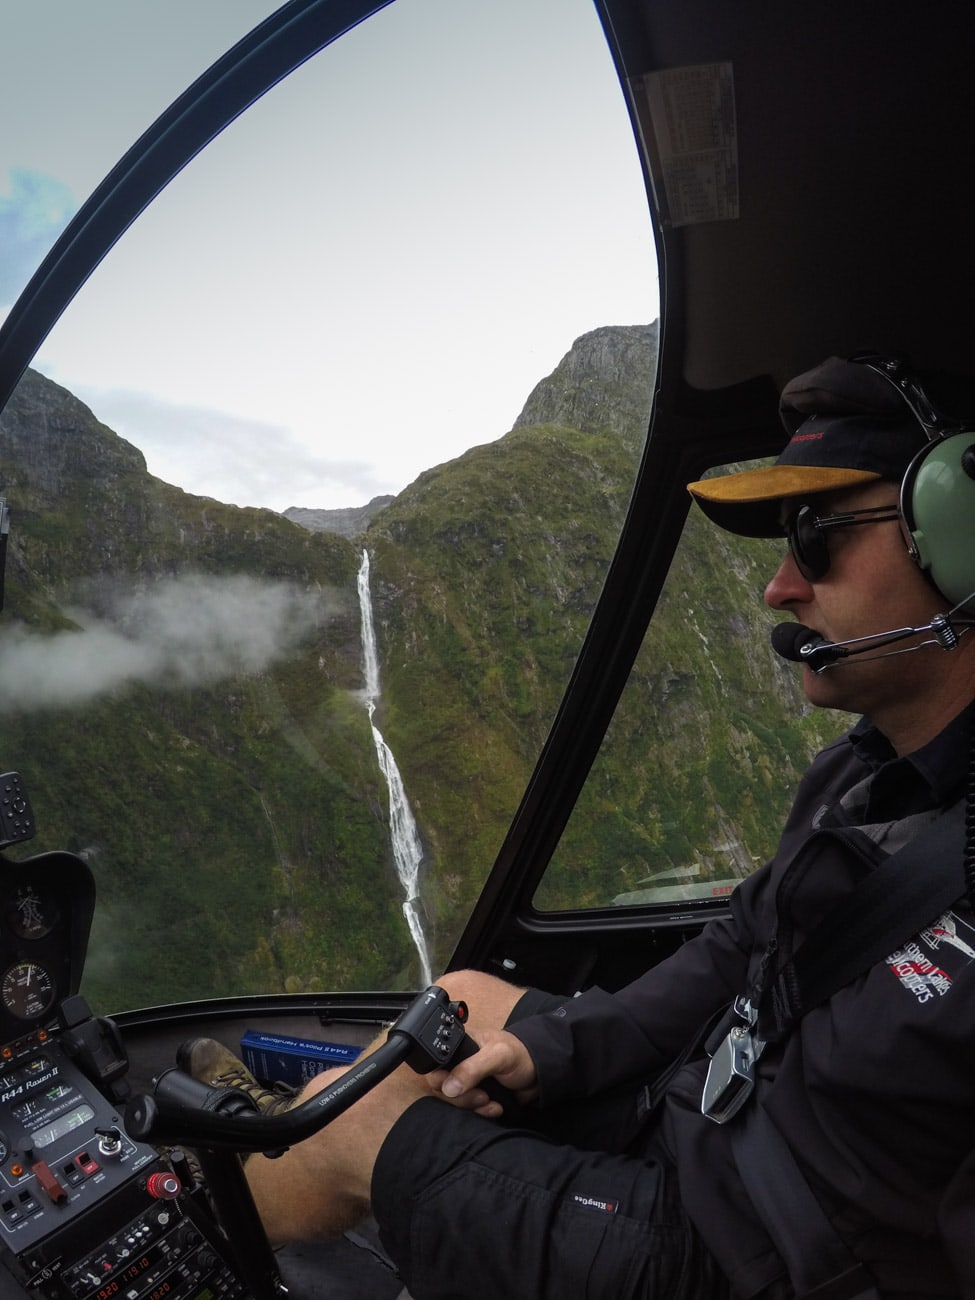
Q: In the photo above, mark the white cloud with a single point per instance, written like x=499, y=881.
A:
x=186, y=631
x=245, y=462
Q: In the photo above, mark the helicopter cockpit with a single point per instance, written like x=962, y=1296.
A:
x=202, y=700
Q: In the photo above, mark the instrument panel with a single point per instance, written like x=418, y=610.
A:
x=86, y=1211
x=46, y=908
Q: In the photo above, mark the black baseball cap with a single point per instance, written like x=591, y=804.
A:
x=848, y=425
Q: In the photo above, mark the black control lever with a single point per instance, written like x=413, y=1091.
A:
x=429, y=1035
x=95, y=1043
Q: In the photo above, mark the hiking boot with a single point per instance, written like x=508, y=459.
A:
x=215, y=1065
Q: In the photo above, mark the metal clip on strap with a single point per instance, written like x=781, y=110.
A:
x=731, y=1073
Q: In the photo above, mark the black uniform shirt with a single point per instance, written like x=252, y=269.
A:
x=874, y=1091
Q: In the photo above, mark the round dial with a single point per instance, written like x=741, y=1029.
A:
x=31, y=914
x=27, y=990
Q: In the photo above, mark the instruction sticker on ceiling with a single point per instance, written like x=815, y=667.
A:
x=692, y=111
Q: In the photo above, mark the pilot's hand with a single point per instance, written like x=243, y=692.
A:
x=501, y=1057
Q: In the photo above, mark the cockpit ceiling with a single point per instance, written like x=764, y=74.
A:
x=832, y=210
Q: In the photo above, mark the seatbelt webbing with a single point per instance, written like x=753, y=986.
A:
x=819, y=1262
x=910, y=890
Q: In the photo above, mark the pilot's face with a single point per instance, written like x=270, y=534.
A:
x=871, y=586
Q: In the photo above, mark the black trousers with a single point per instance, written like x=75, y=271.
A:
x=562, y=1208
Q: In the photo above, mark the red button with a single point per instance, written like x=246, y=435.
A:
x=163, y=1186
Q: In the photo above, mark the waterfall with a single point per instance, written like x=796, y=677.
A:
x=407, y=849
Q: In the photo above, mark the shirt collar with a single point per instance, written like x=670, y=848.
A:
x=936, y=771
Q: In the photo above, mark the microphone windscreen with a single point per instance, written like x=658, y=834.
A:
x=789, y=638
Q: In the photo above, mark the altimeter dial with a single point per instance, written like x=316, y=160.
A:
x=27, y=990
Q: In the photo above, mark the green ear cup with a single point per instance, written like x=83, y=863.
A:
x=938, y=504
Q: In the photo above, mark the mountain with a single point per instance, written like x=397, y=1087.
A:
x=180, y=687
x=602, y=385
x=489, y=569
x=177, y=684
x=348, y=522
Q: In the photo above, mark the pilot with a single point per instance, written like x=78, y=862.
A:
x=725, y=1126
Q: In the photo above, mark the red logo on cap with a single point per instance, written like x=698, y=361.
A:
x=808, y=437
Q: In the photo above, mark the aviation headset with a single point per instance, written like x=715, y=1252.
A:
x=937, y=494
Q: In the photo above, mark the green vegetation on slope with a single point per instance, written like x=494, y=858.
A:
x=235, y=822
x=227, y=795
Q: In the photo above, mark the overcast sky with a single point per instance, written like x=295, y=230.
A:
x=363, y=276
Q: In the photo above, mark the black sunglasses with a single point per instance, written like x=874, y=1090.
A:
x=806, y=532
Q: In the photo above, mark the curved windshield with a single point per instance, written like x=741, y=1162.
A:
x=699, y=765
x=80, y=84
x=312, y=492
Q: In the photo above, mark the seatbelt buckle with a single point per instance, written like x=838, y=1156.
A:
x=731, y=1073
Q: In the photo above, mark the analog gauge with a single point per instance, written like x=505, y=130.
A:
x=30, y=914
x=27, y=990
x=4, y=1148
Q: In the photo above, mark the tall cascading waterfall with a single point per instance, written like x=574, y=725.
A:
x=407, y=849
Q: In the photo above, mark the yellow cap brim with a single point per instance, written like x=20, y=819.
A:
x=748, y=502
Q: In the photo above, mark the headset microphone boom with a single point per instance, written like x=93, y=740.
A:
x=804, y=645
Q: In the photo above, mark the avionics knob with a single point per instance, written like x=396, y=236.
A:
x=163, y=1185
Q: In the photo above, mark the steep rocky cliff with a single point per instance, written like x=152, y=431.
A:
x=347, y=522
x=180, y=686
x=603, y=384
